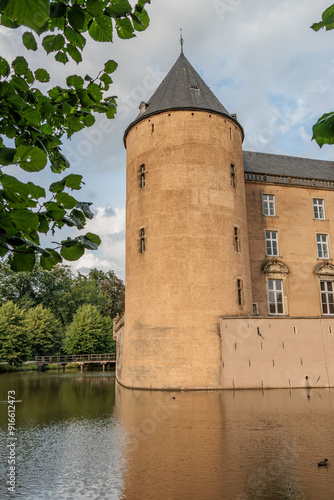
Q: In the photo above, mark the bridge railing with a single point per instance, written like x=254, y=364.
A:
x=76, y=358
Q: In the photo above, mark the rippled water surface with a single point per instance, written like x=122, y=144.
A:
x=81, y=436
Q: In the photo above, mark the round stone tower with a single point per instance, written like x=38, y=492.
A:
x=187, y=258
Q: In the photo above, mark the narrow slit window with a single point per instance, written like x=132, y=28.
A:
x=233, y=183
x=142, y=176
x=236, y=239
x=239, y=289
x=142, y=240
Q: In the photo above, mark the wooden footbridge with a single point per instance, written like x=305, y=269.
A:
x=83, y=360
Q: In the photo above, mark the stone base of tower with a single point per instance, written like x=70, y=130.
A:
x=169, y=358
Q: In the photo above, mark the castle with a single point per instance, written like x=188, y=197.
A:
x=229, y=269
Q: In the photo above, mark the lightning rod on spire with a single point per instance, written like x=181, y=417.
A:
x=181, y=40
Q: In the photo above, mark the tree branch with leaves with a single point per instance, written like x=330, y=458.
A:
x=33, y=123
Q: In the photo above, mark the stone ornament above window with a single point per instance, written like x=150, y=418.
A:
x=276, y=267
x=324, y=269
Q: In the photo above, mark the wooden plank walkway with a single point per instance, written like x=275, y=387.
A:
x=81, y=359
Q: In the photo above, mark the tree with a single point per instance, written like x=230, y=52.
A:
x=113, y=288
x=33, y=123
x=323, y=129
x=44, y=330
x=52, y=289
x=89, y=333
x=14, y=337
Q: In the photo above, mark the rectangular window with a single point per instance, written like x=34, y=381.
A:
x=142, y=173
x=236, y=239
x=239, y=285
x=322, y=246
x=269, y=205
x=319, y=208
x=276, y=305
x=255, y=309
x=327, y=297
x=272, y=243
x=233, y=175
x=142, y=240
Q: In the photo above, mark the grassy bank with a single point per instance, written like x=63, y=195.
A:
x=5, y=368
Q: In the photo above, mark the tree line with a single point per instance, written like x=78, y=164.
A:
x=57, y=312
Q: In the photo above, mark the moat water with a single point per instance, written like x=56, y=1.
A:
x=82, y=436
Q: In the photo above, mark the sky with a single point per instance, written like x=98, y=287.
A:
x=261, y=60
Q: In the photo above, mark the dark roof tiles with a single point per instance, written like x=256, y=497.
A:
x=291, y=166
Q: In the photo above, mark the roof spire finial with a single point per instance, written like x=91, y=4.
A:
x=181, y=40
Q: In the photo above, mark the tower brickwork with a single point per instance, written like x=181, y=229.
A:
x=187, y=256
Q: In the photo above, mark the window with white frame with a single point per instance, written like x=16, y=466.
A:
x=327, y=297
x=319, y=208
x=236, y=239
x=276, y=301
x=269, y=204
x=322, y=246
x=142, y=177
x=142, y=240
x=272, y=243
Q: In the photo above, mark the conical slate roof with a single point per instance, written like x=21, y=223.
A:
x=181, y=89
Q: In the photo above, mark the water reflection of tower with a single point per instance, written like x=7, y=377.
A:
x=187, y=258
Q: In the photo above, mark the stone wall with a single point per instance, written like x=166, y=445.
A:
x=277, y=352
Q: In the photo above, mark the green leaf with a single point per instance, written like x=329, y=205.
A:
x=72, y=253
x=29, y=41
x=76, y=17
x=106, y=79
x=4, y=67
x=36, y=191
x=94, y=237
x=23, y=261
x=57, y=9
x=75, y=37
x=57, y=187
x=110, y=66
x=327, y=20
x=94, y=92
x=7, y=155
x=119, y=8
x=101, y=29
x=89, y=120
x=73, y=181
x=52, y=43
x=23, y=219
x=15, y=185
x=61, y=57
x=5, y=21
x=20, y=66
x=78, y=218
x=31, y=13
x=42, y=75
x=87, y=243
x=19, y=84
x=32, y=116
x=95, y=8
x=124, y=28
x=323, y=130
x=66, y=200
x=50, y=258
x=75, y=81
x=43, y=224
x=84, y=206
x=140, y=19
x=56, y=212
x=74, y=53
x=30, y=158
